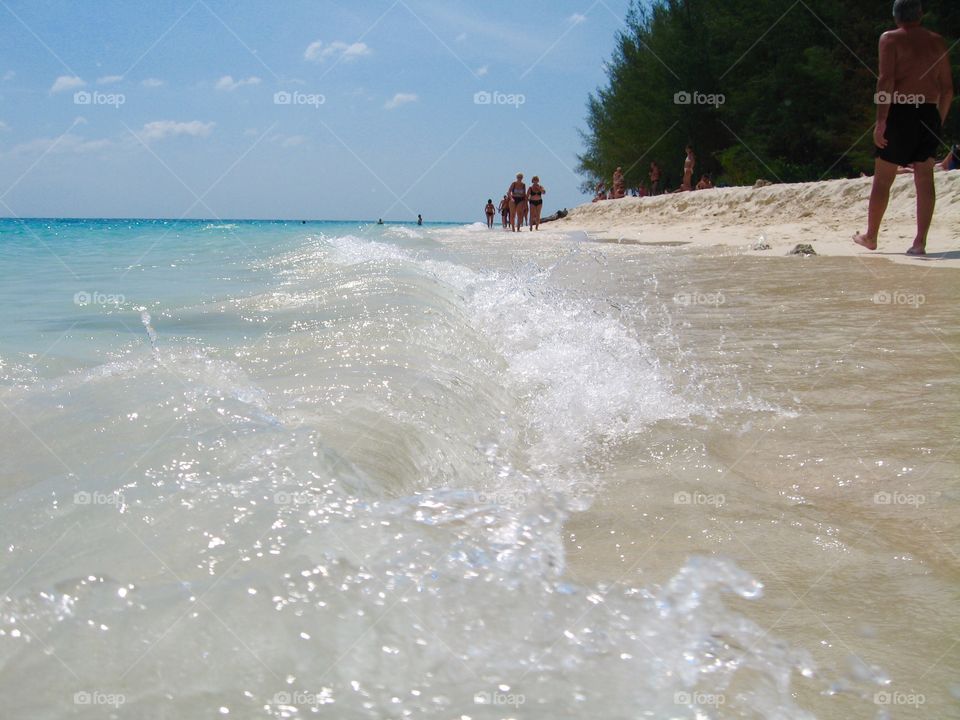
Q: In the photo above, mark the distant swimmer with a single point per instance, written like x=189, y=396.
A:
x=490, y=211
x=517, y=192
x=419, y=219
x=914, y=93
x=380, y=221
x=535, y=196
x=505, y=211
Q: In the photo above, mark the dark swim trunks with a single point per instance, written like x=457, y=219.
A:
x=913, y=134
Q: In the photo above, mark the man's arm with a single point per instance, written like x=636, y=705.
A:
x=945, y=79
x=886, y=80
x=886, y=84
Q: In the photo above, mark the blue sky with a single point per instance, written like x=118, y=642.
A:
x=314, y=109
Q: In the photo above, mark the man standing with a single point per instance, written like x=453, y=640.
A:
x=914, y=93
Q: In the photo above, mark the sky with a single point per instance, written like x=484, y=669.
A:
x=301, y=109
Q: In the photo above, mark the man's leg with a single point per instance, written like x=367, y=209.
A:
x=926, y=202
x=883, y=176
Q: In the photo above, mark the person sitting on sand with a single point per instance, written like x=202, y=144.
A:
x=505, y=211
x=601, y=191
x=517, y=192
x=952, y=160
x=688, y=166
x=705, y=182
x=490, y=210
x=535, y=196
x=914, y=93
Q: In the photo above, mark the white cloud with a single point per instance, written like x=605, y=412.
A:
x=400, y=99
x=153, y=83
x=61, y=145
x=160, y=129
x=66, y=82
x=109, y=79
x=288, y=141
x=346, y=52
x=576, y=19
x=228, y=84
x=481, y=72
x=9, y=75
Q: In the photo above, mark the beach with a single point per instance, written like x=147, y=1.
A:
x=824, y=214
x=268, y=469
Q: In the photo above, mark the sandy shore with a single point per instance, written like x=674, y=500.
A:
x=822, y=214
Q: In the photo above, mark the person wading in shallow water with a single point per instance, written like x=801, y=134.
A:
x=517, y=192
x=914, y=93
x=535, y=196
x=490, y=211
x=505, y=211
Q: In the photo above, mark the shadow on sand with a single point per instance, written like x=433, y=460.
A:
x=948, y=255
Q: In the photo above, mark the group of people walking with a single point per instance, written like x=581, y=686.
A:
x=520, y=206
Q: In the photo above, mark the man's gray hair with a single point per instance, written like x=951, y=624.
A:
x=907, y=11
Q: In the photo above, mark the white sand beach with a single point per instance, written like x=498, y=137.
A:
x=822, y=214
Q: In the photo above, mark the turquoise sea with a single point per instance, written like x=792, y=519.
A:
x=284, y=469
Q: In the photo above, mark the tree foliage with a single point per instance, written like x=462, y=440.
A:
x=797, y=80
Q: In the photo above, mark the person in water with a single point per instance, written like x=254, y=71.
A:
x=535, y=197
x=490, y=210
x=380, y=221
x=914, y=93
x=688, y=166
x=419, y=219
x=505, y=211
x=517, y=192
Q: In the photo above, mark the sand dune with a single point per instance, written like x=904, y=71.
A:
x=823, y=214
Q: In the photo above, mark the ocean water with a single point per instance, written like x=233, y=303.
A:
x=281, y=470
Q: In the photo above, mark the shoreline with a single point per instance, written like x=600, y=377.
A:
x=823, y=214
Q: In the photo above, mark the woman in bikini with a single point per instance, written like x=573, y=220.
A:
x=490, y=211
x=505, y=211
x=688, y=165
x=535, y=196
x=517, y=193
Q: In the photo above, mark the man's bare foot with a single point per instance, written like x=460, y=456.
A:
x=865, y=241
x=917, y=250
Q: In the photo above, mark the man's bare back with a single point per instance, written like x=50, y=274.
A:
x=917, y=62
